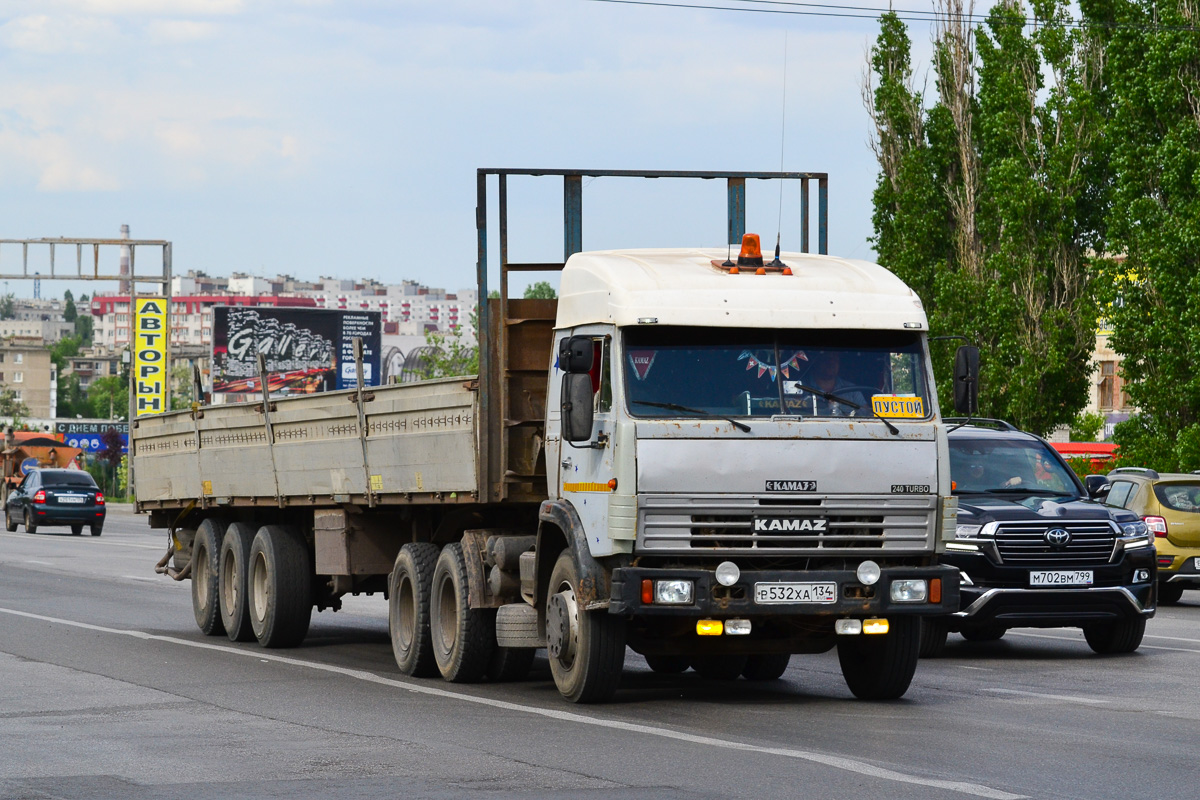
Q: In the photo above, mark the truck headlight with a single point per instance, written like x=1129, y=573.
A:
x=673, y=592
x=910, y=590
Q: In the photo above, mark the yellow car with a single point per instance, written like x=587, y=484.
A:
x=1170, y=505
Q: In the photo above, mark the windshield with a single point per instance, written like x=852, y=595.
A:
x=745, y=372
x=980, y=465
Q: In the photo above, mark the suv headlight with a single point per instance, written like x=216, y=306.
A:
x=967, y=531
x=1136, y=534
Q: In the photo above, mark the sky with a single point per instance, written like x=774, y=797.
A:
x=341, y=137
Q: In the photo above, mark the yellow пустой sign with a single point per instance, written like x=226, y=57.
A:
x=150, y=355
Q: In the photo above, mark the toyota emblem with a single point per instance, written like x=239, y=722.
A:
x=1058, y=537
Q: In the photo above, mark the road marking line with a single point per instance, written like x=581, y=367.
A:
x=142, y=578
x=109, y=542
x=1078, y=638
x=31, y=561
x=837, y=762
x=1064, y=697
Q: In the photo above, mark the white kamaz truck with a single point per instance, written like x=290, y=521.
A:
x=716, y=459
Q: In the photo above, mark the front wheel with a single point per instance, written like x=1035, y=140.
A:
x=933, y=636
x=1111, y=638
x=586, y=648
x=280, y=584
x=988, y=633
x=881, y=666
x=1170, y=593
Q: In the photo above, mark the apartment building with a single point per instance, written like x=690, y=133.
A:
x=191, y=317
x=26, y=370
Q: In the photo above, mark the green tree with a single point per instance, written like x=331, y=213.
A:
x=63, y=349
x=454, y=352
x=1154, y=80
x=108, y=397
x=83, y=329
x=984, y=203
x=10, y=406
x=1087, y=427
x=7, y=307
x=69, y=312
x=541, y=290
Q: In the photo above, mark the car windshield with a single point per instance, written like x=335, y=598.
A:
x=1179, y=496
x=1003, y=466
x=52, y=479
x=743, y=372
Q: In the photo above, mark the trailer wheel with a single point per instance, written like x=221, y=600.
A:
x=766, y=666
x=881, y=666
x=232, y=578
x=719, y=667
x=510, y=663
x=668, y=665
x=280, y=583
x=463, y=637
x=1111, y=638
x=206, y=550
x=586, y=648
x=408, y=609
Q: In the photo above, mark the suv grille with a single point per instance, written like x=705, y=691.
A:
x=1091, y=543
x=809, y=525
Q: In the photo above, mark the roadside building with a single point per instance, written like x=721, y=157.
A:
x=26, y=370
x=48, y=331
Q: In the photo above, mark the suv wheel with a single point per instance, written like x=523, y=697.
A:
x=1111, y=638
x=1169, y=593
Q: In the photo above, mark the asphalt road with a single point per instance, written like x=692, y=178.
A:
x=108, y=690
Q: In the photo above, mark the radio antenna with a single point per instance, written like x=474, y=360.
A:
x=782, y=142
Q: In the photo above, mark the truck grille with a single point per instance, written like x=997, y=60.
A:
x=791, y=526
x=1025, y=545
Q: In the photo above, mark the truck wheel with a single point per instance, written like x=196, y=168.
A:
x=408, y=609
x=30, y=525
x=987, y=633
x=668, y=665
x=279, y=577
x=719, y=668
x=1111, y=638
x=1168, y=593
x=933, y=636
x=231, y=580
x=9, y=524
x=881, y=667
x=463, y=637
x=510, y=663
x=206, y=550
x=586, y=648
x=766, y=666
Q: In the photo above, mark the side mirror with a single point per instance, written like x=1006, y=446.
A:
x=966, y=380
x=1097, y=486
x=575, y=355
x=577, y=410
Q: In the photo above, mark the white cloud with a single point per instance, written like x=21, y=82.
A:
x=180, y=30
x=43, y=34
x=160, y=7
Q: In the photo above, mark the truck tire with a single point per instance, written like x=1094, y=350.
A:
x=881, y=667
x=279, y=577
x=206, y=560
x=510, y=663
x=668, y=665
x=408, y=609
x=586, y=648
x=1111, y=638
x=30, y=525
x=934, y=631
x=1168, y=593
x=463, y=637
x=766, y=666
x=719, y=668
x=232, y=581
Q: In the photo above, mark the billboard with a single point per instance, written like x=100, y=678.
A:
x=306, y=349
x=87, y=435
x=150, y=355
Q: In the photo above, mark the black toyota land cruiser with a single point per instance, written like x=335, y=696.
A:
x=1035, y=550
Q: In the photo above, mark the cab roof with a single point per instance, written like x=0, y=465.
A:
x=683, y=287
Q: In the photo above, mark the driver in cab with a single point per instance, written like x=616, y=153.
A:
x=831, y=388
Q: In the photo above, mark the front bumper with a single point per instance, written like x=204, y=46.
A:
x=711, y=599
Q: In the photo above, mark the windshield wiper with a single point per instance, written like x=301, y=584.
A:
x=741, y=426
x=835, y=398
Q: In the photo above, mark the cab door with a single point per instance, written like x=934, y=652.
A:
x=585, y=469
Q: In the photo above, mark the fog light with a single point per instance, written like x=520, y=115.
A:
x=674, y=592
x=909, y=590
x=728, y=573
x=1141, y=575
x=868, y=573
x=737, y=627
x=709, y=627
x=875, y=626
x=847, y=627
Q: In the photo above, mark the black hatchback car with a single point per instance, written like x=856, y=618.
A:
x=1034, y=549
x=56, y=497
